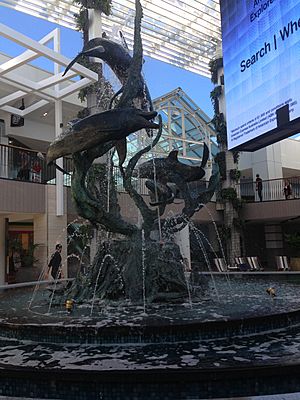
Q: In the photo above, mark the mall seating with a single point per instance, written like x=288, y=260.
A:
x=254, y=264
x=220, y=264
x=241, y=264
x=282, y=263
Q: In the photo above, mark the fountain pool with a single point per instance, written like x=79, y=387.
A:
x=240, y=343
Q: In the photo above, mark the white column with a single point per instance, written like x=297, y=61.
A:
x=59, y=162
x=58, y=131
x=2, y=251
x=95, y=24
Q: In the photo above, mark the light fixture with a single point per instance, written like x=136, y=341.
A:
x=45, y=114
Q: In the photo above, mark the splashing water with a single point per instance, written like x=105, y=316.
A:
x=97, y=279
x=144, y=269
x=206, y=259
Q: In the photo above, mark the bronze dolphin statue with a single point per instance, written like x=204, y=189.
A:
x=117, y=58
x=111, y=125
x=169, y=169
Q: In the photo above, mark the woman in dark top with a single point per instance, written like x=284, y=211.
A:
x=55, y=263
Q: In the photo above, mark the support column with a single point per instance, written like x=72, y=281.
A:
x=58, y=131
x=2, y=250
x=59, y=162
x=233, y=244
x=95, y=30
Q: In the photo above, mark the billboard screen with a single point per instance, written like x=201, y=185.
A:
x=261, y=56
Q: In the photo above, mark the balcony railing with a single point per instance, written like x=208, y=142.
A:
x=23, y=164
x=272, y=190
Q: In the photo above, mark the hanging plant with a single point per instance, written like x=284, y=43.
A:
x=214, y=96
x=102, y=5
x=220, y=159
x=224, y=232
x=214, y=65
x=228, y=194
x=81, y=20
x=235, y=174
x=85, y=112
x=236, y=156
x=221, y=128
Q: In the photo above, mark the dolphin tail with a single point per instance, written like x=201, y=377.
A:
x=205, y=155
x=121, y=147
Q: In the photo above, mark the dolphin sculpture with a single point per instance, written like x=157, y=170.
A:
x=118, y=59
x=111, y=125
x=169, y=169
x=169, y=173
x=128, y=70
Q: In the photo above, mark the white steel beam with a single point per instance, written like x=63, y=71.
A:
x=42, y=50
x=25, y=57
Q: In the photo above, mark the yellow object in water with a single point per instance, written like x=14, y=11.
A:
x=271, y=291
x=69, y=305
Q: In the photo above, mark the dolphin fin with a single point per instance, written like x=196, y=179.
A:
x=173, y=155
x=205, y=155
x=121, y=147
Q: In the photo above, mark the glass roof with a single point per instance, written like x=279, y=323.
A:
x=185, y=127
x=184, y=33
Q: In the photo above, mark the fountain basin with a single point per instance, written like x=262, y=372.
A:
x=163, y=356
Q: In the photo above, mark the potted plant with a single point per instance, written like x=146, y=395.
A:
x=293, y=241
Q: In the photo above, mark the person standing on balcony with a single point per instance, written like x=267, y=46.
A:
x=259, y=186
x=55, y=263
x=287, y=190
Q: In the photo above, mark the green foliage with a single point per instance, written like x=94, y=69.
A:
x=235, y=174
x=85, y=112
x=101, y=5
x=220, y=159
x=214, y=96
x=214, y=65
x=228, y=194
x=221, y=128
x=81, y=20
x=28, y=259
x=236, y=156
x=293, y=240
x=224, y=232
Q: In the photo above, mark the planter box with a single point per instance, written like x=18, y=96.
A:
x=295, y=263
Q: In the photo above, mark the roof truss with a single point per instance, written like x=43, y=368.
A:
x=184, y=33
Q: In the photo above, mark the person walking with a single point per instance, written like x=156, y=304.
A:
x=259, y=186
x=55, y=263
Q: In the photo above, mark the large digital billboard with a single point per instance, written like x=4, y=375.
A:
x=261, y=56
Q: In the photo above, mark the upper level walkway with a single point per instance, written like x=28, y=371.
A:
x=23, y=175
